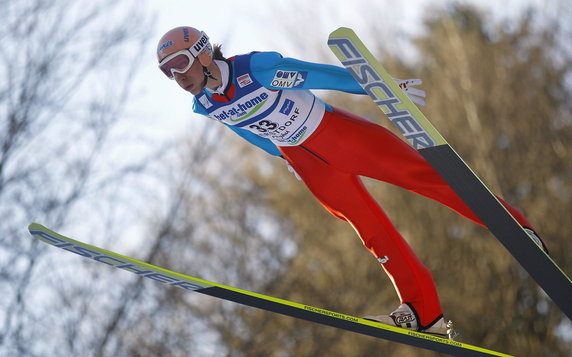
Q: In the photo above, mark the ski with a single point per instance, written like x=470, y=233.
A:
x=260, y=301
x=425, y=138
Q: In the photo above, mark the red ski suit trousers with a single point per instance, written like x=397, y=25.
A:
x=330, y=162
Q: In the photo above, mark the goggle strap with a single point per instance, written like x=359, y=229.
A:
x=200, y=45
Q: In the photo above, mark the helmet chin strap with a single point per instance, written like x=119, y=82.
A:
x=208, y=75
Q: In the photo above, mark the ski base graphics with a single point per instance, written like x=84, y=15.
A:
x=260, y=301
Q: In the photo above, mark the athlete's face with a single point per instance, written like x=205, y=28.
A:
x=191, y=80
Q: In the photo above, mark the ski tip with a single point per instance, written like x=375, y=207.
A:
x=32, y=227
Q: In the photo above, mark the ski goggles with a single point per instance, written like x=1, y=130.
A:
x=178, y=62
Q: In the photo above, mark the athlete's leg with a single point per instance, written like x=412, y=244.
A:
x=345, y=196
x=358, y=146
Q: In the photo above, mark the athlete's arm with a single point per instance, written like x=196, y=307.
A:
x=276, y=72
x=266, y=65
x=265, y=144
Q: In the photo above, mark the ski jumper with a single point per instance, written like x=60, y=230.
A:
x=265, y=99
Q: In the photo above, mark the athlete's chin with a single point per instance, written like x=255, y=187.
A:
x=194, y=90
x=191, y=88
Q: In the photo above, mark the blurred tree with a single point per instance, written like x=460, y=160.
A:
x=499, y=95
x=216, y=225
x=59, y=100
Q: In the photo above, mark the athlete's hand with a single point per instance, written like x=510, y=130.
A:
x=416, y=95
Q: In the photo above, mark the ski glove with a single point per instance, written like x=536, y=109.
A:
x=416, y=95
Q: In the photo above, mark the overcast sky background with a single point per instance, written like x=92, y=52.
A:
x=247, y=25
x=159, y=112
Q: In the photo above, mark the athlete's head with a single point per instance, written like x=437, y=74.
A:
x=184, y=53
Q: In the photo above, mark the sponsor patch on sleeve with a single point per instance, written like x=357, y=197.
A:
x=289, y=79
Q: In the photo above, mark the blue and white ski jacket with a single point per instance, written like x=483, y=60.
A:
x=268, y=102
